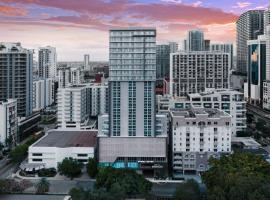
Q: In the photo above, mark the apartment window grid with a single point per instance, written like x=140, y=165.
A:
x=132, y=109
x=147, y=108
x=116, y=108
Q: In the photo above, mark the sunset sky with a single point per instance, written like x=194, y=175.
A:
x=77, y=27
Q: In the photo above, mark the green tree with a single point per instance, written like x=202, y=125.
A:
x=18, y=153
x=240, y=176
x=42, y=186
x=187, y=191
x=70, y=167
x=92, y=168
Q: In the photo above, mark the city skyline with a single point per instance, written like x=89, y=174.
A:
x=81, y=27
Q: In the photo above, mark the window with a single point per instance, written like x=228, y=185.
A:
x=37, y=154
x=36, y=160
x=82, y=155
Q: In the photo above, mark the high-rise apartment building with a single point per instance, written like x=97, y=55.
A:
x=47, y=62
x=132, y=82
x=195, y=41
x=225, y=48
x=64, y=75
x=16, y=76
x=132, y=135
x=173, y=47
x=8, y=122
x=266, y=19
x=97, y=96
x=193, y=72
x=71, y=107
x=76, y=77
x=163, y=61
x=249, y=25
x=43, y=93
x=256, y=70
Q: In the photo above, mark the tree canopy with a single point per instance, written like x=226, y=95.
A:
x=70, y=167
x=241, y=176
x=187, y=191
x=92, y=167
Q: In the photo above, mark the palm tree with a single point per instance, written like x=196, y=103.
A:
x=42, y=186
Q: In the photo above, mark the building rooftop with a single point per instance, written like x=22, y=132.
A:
x=64, y=138
x=195, y=111
x=248, y=142
x=6, y=47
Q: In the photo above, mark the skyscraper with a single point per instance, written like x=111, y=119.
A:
x=132, y=135
x=16, y=76
x=86, y=62
x=163, y=61
x=195, y=41
x=249, y=25
x=47, y=61
x=266, y=19
x=132, y=82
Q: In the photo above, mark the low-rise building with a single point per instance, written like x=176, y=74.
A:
x=8, y=122
x=197, y=134
x=230, y=101
x=57, y=145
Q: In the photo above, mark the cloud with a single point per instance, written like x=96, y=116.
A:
x=197, y=4
x=242, y=4
x=12, y=11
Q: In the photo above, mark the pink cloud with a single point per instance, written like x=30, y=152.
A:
x=242, y=4
x=12, y=11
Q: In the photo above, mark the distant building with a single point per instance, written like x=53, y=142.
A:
x=231, y=102
x=16, y=78
x=97, y=96
x=71, y=107
x=43, y=93
x=198, y=134
x=8, y=122
x=163, y=61
x=64, y=74
x=195, y=41
x=57, y=145
x=86, y=65
x=249, y=25
x=47, y=62
x=76, y=77
x=193, y=72
x=173, y=47
x=225, y=48
x=207, y=44
x=256, y=70
x=266, y=19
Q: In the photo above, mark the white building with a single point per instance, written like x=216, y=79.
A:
x=75, y=76
x=230, y=101
x=97, y=99
x=225, y=48
x=57, y=145
x=71, y=107
x=197, y=134
x=266, y=84
x=43, y=93
x=64, y=77
x=47, y=62
x=193, y=72
x=87, y=65
x=8, y=121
